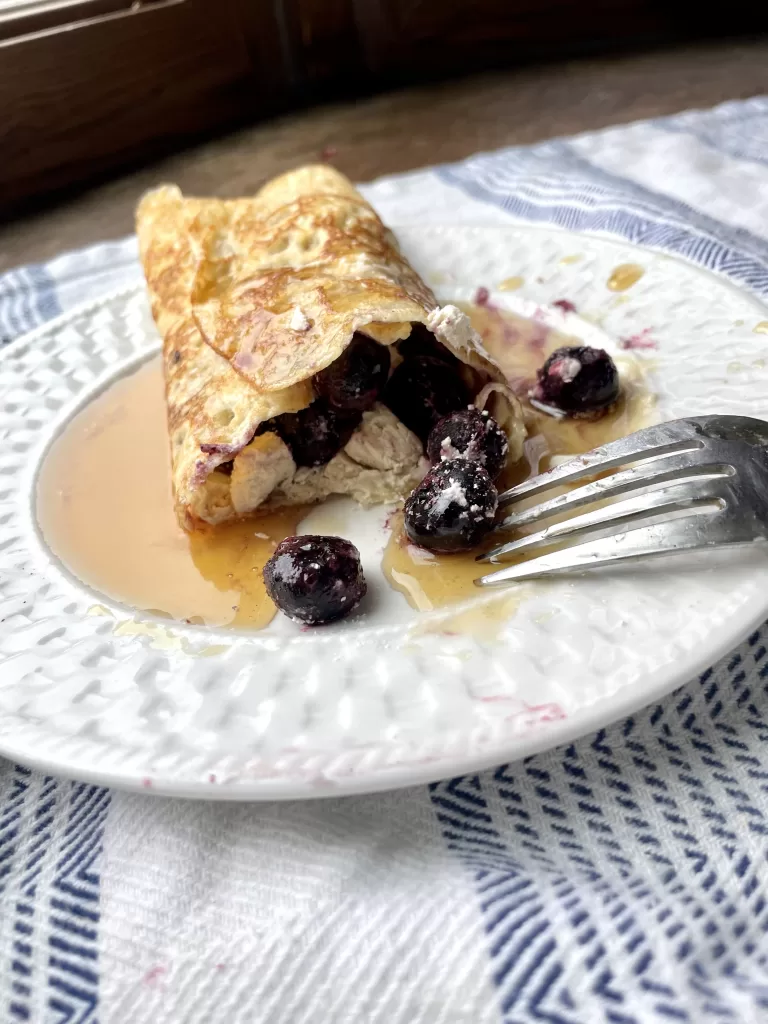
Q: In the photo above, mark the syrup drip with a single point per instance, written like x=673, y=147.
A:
x=624, y=276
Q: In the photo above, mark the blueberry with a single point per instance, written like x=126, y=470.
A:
x=422, y=390
x=315, y=579
x=422, y=342
x=452, y=508
x=356, y=379
x=471, y=434
x=317, y=433
x=578, y=380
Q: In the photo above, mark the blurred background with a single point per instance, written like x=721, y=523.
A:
x=101, y=98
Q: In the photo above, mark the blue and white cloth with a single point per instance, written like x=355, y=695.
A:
x=620, y=880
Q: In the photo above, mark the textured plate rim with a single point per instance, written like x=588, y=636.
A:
x=407, y=773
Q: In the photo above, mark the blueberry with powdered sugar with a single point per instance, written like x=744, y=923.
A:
x=578, y=381
x=470, y=434
x=315, y=579
x=453, y=507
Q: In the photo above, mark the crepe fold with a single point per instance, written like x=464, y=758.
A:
x=252, y=297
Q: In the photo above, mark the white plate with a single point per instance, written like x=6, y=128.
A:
x=125, y=700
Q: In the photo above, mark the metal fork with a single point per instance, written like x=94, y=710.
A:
x=688, y=484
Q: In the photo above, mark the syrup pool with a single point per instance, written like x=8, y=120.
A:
x=104, y=506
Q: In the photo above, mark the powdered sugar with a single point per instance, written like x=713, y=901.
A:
x=299, y=321
x=447, y=450
x=454, y=328
x=567, y=369
x=453, y=494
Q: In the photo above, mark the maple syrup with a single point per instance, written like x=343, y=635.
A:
x=519, y=346
x=510, y=284
x=624, y=276
x=104, y=506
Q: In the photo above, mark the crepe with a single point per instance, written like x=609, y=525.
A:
x=252, y=297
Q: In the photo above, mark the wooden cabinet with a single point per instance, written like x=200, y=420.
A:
x=361, y=44
x=414, y=38
x=87, y=86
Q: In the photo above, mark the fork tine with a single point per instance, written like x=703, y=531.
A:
x=675, y=469
x=663, y=502
x=642, y=541
x=650, y=443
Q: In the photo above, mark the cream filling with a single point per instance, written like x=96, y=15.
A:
x=382, y=462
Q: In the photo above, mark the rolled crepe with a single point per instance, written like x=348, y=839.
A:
x=252, y=297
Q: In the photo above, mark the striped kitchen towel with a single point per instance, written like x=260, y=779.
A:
x=620, y=880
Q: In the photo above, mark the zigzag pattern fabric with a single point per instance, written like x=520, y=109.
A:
x=619, y=880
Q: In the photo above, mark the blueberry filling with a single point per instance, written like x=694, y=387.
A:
x=317, y=433
x=356, y=379
x=422, y=342
x=423, y=390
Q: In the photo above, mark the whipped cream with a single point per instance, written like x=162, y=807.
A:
x=449, y=324
x=454, y=328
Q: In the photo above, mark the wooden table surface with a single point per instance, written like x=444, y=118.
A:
x=411, y=128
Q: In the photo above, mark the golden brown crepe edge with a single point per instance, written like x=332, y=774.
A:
x=202, y=433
